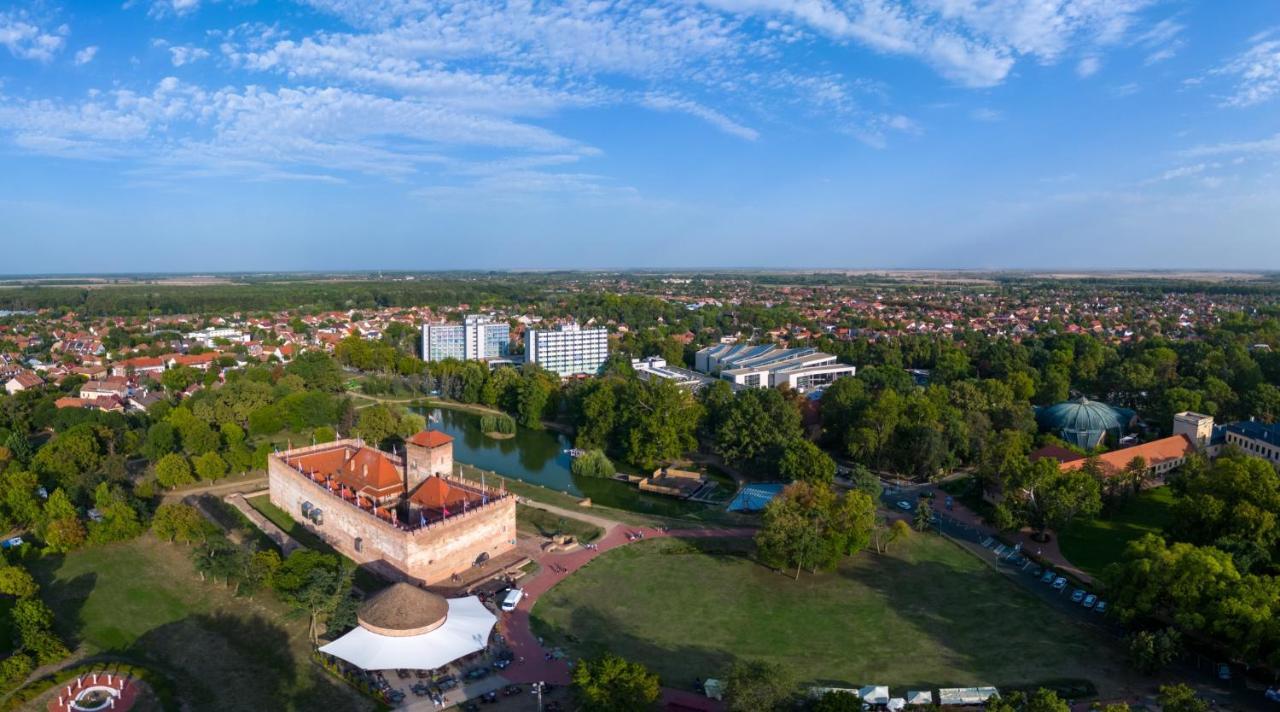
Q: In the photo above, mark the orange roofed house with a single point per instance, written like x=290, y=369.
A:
x=1162, y=456
x=406, y=516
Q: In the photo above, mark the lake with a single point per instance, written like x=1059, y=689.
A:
x=535, y=456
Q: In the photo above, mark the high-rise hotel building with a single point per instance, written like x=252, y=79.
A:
x=477, y=338
x=569, y=350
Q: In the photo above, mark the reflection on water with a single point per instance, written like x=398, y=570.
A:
x=535, y=456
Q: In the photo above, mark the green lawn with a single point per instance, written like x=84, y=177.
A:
x=927, y=615
x=540, y=522
x=1093, y=544
x=142, y=600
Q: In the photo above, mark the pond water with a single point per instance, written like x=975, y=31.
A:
x=536, y=456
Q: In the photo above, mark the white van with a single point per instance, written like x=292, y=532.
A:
x=512, y=599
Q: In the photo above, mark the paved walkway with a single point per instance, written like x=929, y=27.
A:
x=531, y=663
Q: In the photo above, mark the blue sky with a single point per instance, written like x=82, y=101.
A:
x=216, y=135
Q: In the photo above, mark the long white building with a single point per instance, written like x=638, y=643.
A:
x=569, y=350
x=477, y=338
x=768, y=366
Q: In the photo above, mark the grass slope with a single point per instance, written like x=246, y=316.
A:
x=144, y=601
x=927, y=614
x=1093, y=544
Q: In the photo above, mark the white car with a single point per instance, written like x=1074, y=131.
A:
x=1060, y=583
x=904, y=505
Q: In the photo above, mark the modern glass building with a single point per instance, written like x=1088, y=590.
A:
x=478, y=338
x=1085, y=423
x=569, y=350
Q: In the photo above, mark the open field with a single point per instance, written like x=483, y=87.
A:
x=142, y=600
x=928, y=614
x=1091, y=545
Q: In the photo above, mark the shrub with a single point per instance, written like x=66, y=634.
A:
x=593, y=463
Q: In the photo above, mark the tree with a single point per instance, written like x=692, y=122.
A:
x=611, y=684
x=758, y=421
x=16, y=581
x=210, y=466
x=924, y=516
x=838, y=701
x=657, y=421
x=21, y=504
x=377, y=423
x=173, y=470
x=161, y=440
x=1151, y=652
x=313, y=582
x=592, y=463
x=180, y=522
x=803, y=461
x=758, y=686
x=1180, y=698
x=1049, y=497
x=64, y=534
x=812, y=527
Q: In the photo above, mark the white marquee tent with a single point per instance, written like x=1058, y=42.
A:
x=465, y=631
x=874, y=694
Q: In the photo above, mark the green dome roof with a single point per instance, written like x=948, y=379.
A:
x=1084, y=423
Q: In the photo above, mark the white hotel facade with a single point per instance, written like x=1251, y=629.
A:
x=569, y=350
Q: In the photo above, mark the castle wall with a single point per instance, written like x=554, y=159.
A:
x=429, y=554
x=425, y=462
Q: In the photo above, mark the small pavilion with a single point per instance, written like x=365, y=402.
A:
x=405, y=627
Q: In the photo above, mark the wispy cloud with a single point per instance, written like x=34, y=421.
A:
x=1256, y=72
x=661, y=102
x=986, y=115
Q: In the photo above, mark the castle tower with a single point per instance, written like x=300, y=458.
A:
x=1196, y=426
x=428, y=453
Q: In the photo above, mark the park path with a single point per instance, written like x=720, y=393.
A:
x=286, y=543
x=533, y=662
x=216, y=488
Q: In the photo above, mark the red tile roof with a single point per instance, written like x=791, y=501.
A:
x=430, y=439
x=437, y=493
x=1154, y=452
x=365, y=470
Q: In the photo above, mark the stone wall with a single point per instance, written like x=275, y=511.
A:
x=428, y=554
x=425, y=462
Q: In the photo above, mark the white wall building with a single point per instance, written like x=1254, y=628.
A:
x=206, y=336
x=477, y=338
x=569, y=350
x=656, y=367
x=770, y=366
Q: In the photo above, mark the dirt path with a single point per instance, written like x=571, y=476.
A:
x=217, y=488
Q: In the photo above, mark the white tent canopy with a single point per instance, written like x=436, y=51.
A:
x=897, y=703
x=966, y=695
x=919, y=697
x=874, y=694
x=465, y=631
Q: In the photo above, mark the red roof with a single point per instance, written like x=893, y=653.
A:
x=364, y=470
x=1154, y=452
x=1057, y=452
x=431, y=439
x=436, y=493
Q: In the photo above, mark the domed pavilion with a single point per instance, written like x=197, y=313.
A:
x=1085, y=423
x=405, y=627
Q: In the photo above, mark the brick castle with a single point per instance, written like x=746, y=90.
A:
x=406, y=517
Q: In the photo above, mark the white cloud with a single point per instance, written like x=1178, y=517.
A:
x=1124, y=90
x=1088, y=66
x=660, y=102
x=164, y=8
x=1162, y=41
x=25, y=39
x=86, y=55
x=1256, y=72
x=1244, y=148
x=182, y=55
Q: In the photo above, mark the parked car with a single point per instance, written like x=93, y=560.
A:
x=1101, y=607
x=1077, y=595
x=904, y=505
x=477, y=673
x=1048, y=576
x=1090, y=601
x=11, y=543
x=1060, y=583
x=1224, y=671
x=950, y=502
